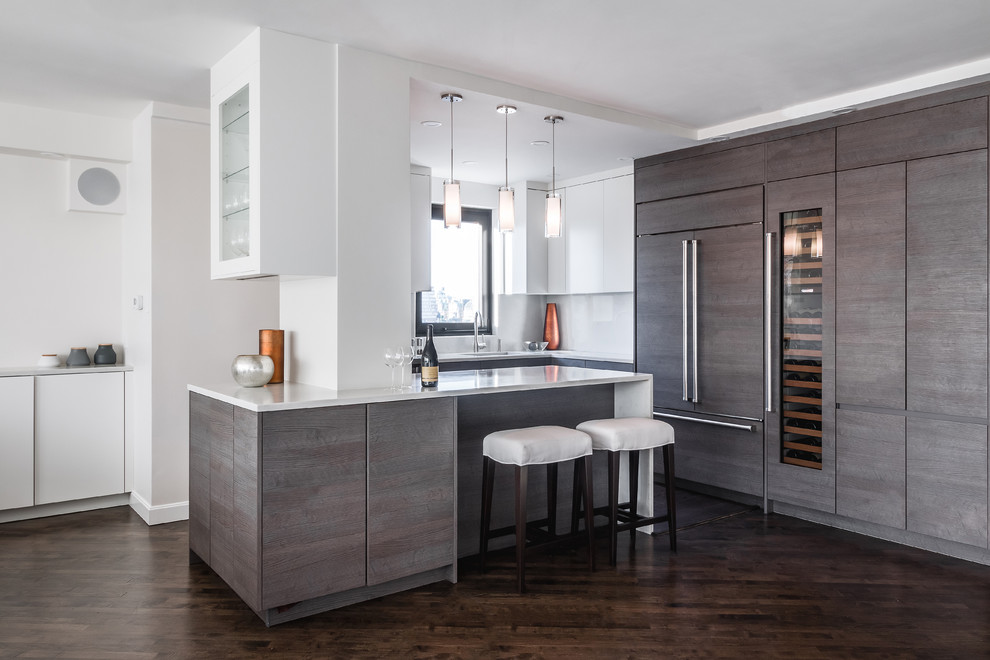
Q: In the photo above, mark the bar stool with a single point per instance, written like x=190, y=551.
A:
x=632, y=434
x=538, y=445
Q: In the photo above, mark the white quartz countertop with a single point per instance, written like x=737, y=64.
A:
x=291, y=396
x=54, y=371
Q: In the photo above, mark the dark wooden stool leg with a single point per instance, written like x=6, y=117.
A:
x=589, y=508
x=521, y=528
x=576, y=500
x=668, y=471
x=633, y=495
x=487, y=484
x=552, y=499
x=613, y=506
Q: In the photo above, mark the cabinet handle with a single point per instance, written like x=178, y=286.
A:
x=694, y=315
x=684, y=318
x=767, y=302
x=711, y=422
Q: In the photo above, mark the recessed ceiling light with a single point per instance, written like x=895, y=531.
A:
x=625, y=159
x=469, y=163
x=540, y=143
x=431, y=123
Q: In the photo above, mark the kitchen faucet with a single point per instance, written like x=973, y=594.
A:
x=478, y=344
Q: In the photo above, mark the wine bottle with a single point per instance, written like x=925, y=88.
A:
x=430, y=364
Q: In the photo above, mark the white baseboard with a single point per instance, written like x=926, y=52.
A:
x=158, y=515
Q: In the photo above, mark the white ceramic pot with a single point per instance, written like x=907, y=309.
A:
x=252, y=370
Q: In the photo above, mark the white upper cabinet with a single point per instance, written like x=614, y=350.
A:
x=273, y=119
x=583, y=236
x=618, y=233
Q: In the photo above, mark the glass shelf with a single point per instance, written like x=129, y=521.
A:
x=235, y=225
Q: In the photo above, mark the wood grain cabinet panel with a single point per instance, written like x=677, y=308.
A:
x=934, y=131
x=732, y=168
x=719, y=456
x=947, y=284
x=210, y=421
x=869, y=471
x=314, y=489
x=412, y=512
x=947, y=480
x=719, y=209
x=801, y=155
x=870, y=287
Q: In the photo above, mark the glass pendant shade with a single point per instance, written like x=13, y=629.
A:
x=506, y=209
x=451, y=203
x=554, y=217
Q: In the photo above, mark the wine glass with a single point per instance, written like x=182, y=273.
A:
x=393, y=358
x=406, y=353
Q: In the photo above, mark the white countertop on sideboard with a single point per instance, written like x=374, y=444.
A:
x=291, y=396
x=55, y=371
x=565, y=354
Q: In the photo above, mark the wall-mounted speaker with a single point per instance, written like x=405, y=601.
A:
x=97, y=186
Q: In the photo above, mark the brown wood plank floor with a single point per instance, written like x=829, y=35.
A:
x=102, y=584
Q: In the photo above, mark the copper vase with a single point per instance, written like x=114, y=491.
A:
x=272, y=344
x=551, y=329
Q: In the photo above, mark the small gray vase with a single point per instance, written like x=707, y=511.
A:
x=105, y=355
x=78, y=357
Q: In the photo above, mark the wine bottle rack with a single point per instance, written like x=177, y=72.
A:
x=800, y=382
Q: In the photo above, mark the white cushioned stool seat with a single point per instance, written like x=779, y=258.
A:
x=536, y=445
x=628, y=433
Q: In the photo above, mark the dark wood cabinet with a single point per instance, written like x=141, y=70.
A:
x=947, y=285
x=869, y=474
x=934, y=131
x=410, y=526
x=312, y=502
x=801, y=155
x=731, y=168
x=729, y=207
x=947, y=480
x=870, y=303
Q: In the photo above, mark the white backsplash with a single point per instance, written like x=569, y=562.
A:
x=596, y=323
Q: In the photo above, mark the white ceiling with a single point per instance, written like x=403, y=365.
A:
x=654, y=75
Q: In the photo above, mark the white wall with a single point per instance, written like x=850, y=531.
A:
x=197, y=326
x=60, y=269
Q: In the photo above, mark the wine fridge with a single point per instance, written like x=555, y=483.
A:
x=802, y=248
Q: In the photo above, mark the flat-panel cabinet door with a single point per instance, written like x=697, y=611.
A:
x=314, y=491
x=947, y=284
x=585, y=257
x=79, y=436
x=730, y=321
x=412, y=515
x=870, y=287
x=947, y=480
x=869, y=471
x=16, y=442
x=659, y=316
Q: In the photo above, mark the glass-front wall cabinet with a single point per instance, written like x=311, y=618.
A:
x=235, y=196
x=801, y=333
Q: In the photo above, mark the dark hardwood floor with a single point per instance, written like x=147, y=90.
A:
x=103, y=585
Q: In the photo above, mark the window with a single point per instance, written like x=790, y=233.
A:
x=461, y=274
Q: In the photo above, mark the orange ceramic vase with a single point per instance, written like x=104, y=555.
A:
x=551, y=329
x=272, y=344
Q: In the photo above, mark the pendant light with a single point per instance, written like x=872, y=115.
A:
x=554, y=213
x=452, y=187
x=506, y=196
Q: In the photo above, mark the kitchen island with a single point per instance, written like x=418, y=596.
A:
x=305, y=499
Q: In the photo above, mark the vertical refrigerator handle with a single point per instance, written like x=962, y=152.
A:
x=684, y=318
x=768, y=330
x=694, y=314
